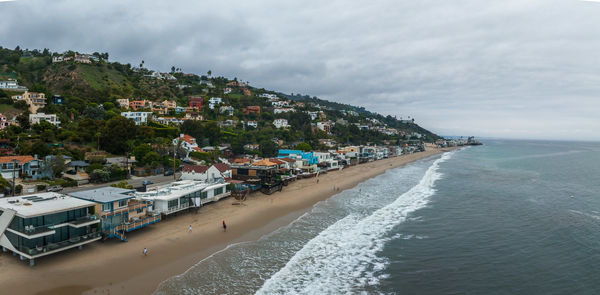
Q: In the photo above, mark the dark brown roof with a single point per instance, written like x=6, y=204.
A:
x=195, y=168
x=222, y=167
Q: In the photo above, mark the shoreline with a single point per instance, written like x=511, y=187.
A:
x=116, y=267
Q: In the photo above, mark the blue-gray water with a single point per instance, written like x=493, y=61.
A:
x=510, y=217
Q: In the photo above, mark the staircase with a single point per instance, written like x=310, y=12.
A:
x=118, y=234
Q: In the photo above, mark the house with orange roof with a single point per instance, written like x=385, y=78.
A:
x=25, y=167
x=251, y=110
x=187, y=142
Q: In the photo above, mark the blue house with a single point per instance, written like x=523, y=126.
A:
x=312, y=159
x=25, y=167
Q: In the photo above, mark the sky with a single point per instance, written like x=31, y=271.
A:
x=508, y=68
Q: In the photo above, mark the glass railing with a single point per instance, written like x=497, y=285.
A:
x=59, y=245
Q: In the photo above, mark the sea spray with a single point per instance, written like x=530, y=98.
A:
x=343, y=258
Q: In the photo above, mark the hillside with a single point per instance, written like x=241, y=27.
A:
x=89, y=115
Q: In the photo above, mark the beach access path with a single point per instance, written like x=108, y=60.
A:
x=115, y=267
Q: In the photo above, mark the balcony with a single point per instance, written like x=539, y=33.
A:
x=63, y=245
x=31, y=232
x=131, y=206
x=135, y=224
x=84, y=221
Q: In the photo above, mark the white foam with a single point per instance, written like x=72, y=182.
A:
x=343, y=257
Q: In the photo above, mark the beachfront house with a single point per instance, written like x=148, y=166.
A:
x=42, y=224
x=118, y=210
x=181, y=195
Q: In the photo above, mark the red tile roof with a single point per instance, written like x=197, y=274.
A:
x=277, y=161
x=21, y=159
x=195, y=168
x=188, y=139
x=222, y=167
x=288, y=160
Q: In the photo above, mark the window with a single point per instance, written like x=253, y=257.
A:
x=122, y=203
x=204, y=195
x=218, y=191
x=106, y=207
x=173, y=203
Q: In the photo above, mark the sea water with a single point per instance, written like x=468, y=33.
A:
x=509, y=217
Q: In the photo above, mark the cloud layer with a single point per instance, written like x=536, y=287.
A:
x=511, y=68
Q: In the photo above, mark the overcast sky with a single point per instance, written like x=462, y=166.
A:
x=506, y=68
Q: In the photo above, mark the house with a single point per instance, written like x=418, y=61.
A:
x=313, y=115
x=140, y=104
x=226, y=110
x=298, y=154
x=78, y=166
x=282, y=110
x=169, y=104
x=182, y=195
x=179, y=110
x=50, y=118
x=251, y=147
x=169, y=120
x=43, y=224
x=263, y=171
x=205, y=173
x=236, y=84
x=268, y=96
x=253, y=124
x=35, y=100
x=281, y=123
x=325, y=126
x=118, y=210
x=213, y=101
x=227, y=90
x=246, y=92
x=83, y=58
x=25, y=167
x=57, y=99
x=196, y=102
x=12, y=85
x=123, y=103
x=187, y=142
x=280, y=104
x=138, y=117
x=3, y=122
x=251, y=110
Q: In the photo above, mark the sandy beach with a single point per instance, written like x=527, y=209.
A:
x=115, y=267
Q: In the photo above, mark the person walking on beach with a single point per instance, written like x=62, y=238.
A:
x=145, y=252
x=190, y=229
x=224, y=226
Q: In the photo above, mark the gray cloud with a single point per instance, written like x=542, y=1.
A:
x=512, y=68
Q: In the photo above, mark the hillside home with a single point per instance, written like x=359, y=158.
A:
x=3, y=121
x=214, y=101
x=50, y=118
x=188, y=143
x=35, y=100
x=252, y=124
x=226, y=110
x=38, y=225
x=251, y=110
x=196, y=102
x=118, y=210
x=12, y=85
x=283, y=110
x=281, y=123
x=140, y=104
x=57, y=99
x=140, y=118
x=123, y=103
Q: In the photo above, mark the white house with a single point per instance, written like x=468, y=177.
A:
x=280, y=104
x=281, y=123
x=138, y=117
x=213, y=101
x=11, y=84
x=268, y=95
x=50, y=118
x=282, y=110
x=188, y=143
x=205, y=173
x=252, y=124
x=226, y=109
x=181, y=195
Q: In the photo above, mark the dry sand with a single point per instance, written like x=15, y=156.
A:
x=114, y=267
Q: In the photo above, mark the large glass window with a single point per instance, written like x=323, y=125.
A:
x=173, y=203
x=204, y=195
x=106, y=207
x=218, y=191
x=122, y=203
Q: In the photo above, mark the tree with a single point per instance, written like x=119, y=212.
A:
x=268, y=148
x=40, y=148
x=21, y=105
x=213, y=132
x=57, y=164
x=94, y=113
x=304, y=147
x=115, y=134
x=140, y=152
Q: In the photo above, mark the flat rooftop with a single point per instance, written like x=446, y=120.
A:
x=42, y=204
x=105, y=194
x=176, y=190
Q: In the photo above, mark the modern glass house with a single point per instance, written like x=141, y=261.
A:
x=182, y=195
x=42, y=224
x=119, y=211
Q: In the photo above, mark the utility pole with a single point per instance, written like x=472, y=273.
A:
x=14, y=161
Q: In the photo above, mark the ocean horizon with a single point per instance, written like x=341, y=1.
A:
x=509, y=217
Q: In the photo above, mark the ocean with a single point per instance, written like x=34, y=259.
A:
x=509, y=217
